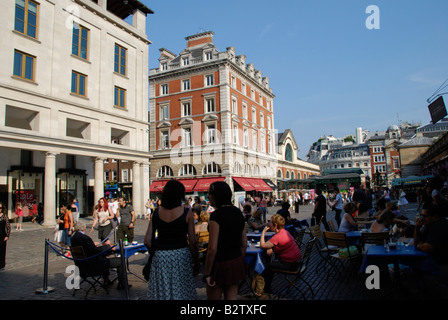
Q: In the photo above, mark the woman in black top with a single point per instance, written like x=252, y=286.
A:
x=5, y=231
x=224, y=265
x=171, y=275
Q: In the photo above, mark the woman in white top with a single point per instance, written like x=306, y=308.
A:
x=402, y=201
x=102, y=215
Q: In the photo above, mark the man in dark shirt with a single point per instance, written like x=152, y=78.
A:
x=431, y=236
x=284, y=212
x=320, y=211
x=127, y=218
x=98, y=262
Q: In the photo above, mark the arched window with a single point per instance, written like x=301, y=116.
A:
x=293, y=176
x=165, y=171
x=237, y=167
x=256, y=170
x=279, y=173
x=187, y=170
x=247, y=169
x=287, y=174
x=212, y=168
x=288, y=153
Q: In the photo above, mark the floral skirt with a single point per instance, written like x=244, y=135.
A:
x=171, y=276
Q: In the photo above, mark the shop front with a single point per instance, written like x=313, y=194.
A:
x=25, y=185
x=71, y=184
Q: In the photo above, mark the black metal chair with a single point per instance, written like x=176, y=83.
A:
x=298, y=273
x=87, y=270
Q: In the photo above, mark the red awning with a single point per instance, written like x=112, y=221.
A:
x=259, y=184
x=204, y=183
x=244, y=183
x=189, y=184
x=157, y=186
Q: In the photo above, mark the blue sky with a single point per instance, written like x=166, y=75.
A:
x=329, y=73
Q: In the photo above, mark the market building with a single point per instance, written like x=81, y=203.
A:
x=73, y=94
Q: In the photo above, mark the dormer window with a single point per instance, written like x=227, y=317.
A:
x=208, y=56
x=186, y=61
x=164, y=66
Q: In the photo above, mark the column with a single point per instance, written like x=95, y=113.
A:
x=50, y=209
x=99, y=179
x=136, y=189
x=145, y=182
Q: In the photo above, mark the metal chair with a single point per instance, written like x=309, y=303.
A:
x=338, y=241
x=87, y=271
x=299, y=237
x=373, y=238
x=203, y=238
x=298, y=273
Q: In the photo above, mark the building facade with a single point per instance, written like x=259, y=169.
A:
x=211, y=118
x=73, y=93
x=291, y=170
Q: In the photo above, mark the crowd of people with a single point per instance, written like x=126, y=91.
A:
x=174, y=223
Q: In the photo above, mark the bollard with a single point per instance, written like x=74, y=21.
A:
x=45, y=289
x=124, y=266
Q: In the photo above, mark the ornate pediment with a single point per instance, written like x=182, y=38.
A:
x=185, y=121
x=210, y=117
x=164, y=124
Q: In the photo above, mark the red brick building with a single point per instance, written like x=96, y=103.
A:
x=211, y=118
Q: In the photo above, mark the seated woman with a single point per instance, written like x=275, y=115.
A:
x=348, y=222
x=202, y=224
x=255, y=222
x=247, y=211
x=383, y=222
x=284, y=247
x=401, y=222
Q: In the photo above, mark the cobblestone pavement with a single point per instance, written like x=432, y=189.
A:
x=23, y=276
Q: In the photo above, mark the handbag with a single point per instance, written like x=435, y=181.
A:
x=345, y=253
x=147, y=268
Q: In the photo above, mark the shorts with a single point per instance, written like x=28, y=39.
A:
x=229, y=272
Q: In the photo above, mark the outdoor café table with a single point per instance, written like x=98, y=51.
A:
x=416, y=259
x=129, y=251
x=257, y=235
x=254, y=262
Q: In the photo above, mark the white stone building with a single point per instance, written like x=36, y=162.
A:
x=73, y=92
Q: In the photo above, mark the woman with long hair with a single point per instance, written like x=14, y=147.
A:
x=102, y=216
x=171, y=276
x=5, y=231
x=224, y=265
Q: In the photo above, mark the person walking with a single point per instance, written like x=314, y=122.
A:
x=171, y=276
x=224, y=265
x=102, y=216
x=126, y=216
x=5, y=231
x=75, y=210
x=337, y=206
x=19, y=213
x=402, y=201
x=320, y=211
